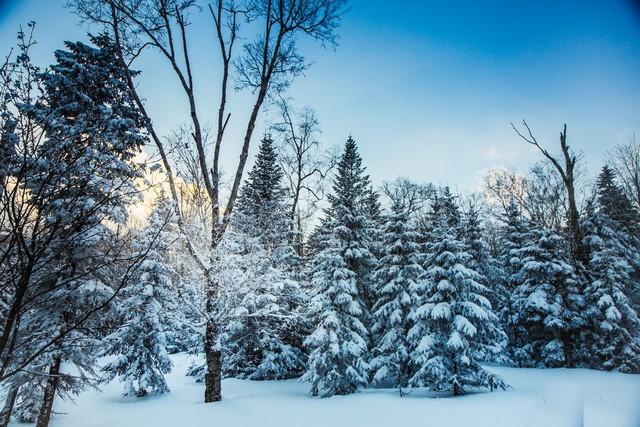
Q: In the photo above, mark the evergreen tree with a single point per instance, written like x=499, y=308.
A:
x=263, y=337
x=546, y=303
x=625, y=221
x=29, y=400
x=262, y=210
x=140, y=346
x=351, y=209
x=513, y=237
x=454, y=322
x=396, y=278
x=444, y=208
x=614, y=203
x=340, y=272
x=614, y=339
x=491, y=275
x=85, y=168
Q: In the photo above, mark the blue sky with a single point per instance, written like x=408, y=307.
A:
x=428, y=88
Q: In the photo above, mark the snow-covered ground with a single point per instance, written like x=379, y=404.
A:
x=539, y=398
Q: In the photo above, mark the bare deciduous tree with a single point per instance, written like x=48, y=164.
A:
x=194, y=200
x=265, y=64
x=413, y=197
x=625, y=160
x=540, y=194
x=305, y=166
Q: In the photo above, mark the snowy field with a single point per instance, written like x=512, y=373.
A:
x=540, y=398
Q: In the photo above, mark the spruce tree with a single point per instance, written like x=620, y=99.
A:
x=84, y=166
x=454, y=321
x=262, y=211
x=546, y=304
x=482, y=260
x=263, y=337
x=614, y=203
x=396, y=278
x=513, y=237
x=492, y=276
x=140, y=346
x=625, y=221
x=613, y=341
x=340, y=272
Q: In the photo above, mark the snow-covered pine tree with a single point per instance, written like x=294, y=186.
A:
x=442, y=206
x=613, y=203
x=261, y=210
x=445, y=208
x=140, y=344
x=85, y=168
x=396, y=279
x=513, y=237
x=613, y=338
x=377, y=221
x=546, y=304
x=263, y=337
x=482, y=261
x=29, y=400
x=454, y=321
x=339, y=344
x=492, y=276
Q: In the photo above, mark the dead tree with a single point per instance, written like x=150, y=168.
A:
x=265, y=65
x=568, y=174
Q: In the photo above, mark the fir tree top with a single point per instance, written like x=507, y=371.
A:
x=613, y=202
x=262, y=209
x=351, y=184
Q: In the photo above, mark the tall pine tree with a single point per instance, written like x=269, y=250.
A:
x=262, y=211
x=85, y=167
x=140, y=345
x=340, y=273
x=546, y=303
x=613, y=341
x=396, y=278
x=454, y=321
x=263, y=338
x=513, y=237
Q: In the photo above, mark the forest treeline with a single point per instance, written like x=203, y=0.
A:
x=307, y=269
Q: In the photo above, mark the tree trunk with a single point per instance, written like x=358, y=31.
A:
x=573, y=220
x=5, y=415
x=457, y=389
x=49, y=394
x=213, y=355
x=298, y=236
x=12, y=319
